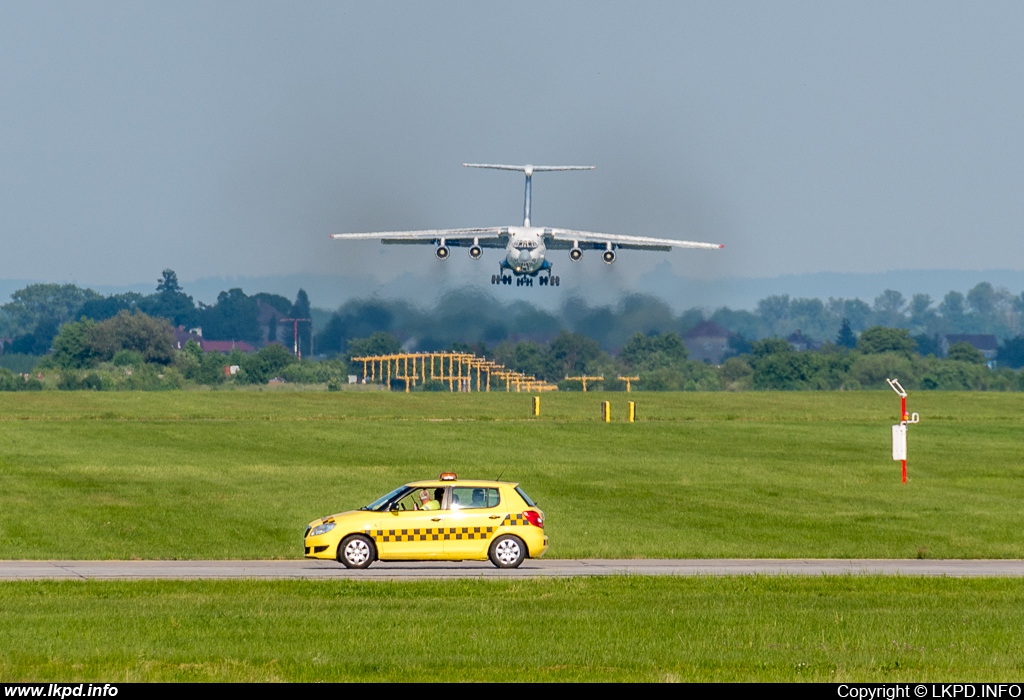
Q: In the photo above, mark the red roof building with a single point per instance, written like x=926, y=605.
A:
x=225, y=346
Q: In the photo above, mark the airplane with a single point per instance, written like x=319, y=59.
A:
x=525, y=246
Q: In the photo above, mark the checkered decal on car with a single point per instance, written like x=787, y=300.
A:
x=425, y=534
x=517, y=519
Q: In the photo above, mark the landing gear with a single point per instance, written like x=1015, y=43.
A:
x=547, y=280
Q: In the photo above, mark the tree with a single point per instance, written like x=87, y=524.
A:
x=45, y=303
x=982, y=299
x=300, y=309
x=952, y=310
x=37, y=342
x=152, y=338
x=570, y=354
x=928, y=344
x=811, y=317
x=235, y=316
x=260, y=367
x=888, y=309
x=648, y=352
x=922, y=316
x=102, y=309
x=781, y=371
x=774, y=310
x=846, y=338
x=738, y=344
x=879, y=339
x=72, y=348
x=770, y=346
x=170, y=302
x=526, y=356
x=857, y=311
x=356, y=319
x=1011, y=352
x=377, y=344
x=742, y=323
x=965, y=352
x=168, y=282
x=278, y=302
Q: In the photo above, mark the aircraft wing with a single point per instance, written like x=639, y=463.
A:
x=455, y=237
x=563, y=239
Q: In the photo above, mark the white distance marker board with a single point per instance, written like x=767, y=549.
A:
x=899, y=442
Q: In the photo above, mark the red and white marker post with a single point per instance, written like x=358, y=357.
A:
x=899, y=432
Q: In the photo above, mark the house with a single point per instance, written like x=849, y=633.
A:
x=985, y=342
x=226, y=346
x=181, y=338
x=707, y=342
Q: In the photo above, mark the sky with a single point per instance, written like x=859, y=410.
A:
x=229, y=139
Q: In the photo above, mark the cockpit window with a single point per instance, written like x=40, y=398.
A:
x=524, y=244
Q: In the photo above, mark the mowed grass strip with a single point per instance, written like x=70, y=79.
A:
x=187, y=475
x=588, y=629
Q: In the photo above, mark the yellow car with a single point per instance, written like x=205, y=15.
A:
x=441, y=520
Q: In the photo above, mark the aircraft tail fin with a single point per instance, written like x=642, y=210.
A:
x=529, y=170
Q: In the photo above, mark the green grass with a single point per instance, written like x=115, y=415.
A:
x=239, y=474
x=694, y=629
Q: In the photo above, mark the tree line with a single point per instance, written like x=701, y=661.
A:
x=127, y=340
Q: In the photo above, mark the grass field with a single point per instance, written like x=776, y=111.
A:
x=750, y=628
x=239, y=474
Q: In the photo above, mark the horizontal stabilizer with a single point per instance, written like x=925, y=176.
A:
x=530, y=168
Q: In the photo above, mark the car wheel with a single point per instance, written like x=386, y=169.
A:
x=357, y=551
x=507, y=552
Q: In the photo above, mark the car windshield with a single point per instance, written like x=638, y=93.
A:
x=385, y=499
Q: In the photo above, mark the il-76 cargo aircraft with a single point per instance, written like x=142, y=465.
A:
x=525, y=246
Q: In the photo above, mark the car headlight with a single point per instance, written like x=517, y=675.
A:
x=321, y=529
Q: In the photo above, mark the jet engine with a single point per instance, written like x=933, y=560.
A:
x=575, y=254
x=442, y=252
x=608, y=256
x=475, y=252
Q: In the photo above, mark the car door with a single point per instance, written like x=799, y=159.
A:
x=469, y=524
x=407, y=533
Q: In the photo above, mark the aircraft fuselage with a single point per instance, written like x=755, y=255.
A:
x=526, y=252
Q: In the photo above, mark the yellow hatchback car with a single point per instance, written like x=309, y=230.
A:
x=441, y=520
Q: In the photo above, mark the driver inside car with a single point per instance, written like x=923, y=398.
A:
x=426, y=502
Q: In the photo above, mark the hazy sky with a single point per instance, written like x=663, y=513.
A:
x=228, y=139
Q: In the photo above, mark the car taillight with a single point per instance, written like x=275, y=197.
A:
x=534, y=517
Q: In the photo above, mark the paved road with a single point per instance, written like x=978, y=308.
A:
x=314, y=569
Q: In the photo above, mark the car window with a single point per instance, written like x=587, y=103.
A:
x=385, y=499
x=529, y=501
x=409, y=501
x=466, y=497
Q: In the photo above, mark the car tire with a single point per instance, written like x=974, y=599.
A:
x=357, y=552
x=507, y=552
